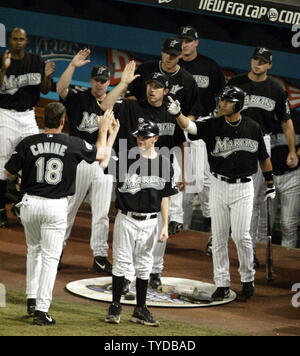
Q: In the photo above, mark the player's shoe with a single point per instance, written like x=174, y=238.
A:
x=208, y=249
x=175, y=227
x=221, y=293
x=3, y=218
x=114, y=311
x=42, y=318
x=247, y=290
x=101, y=264
x=142, y=315
x=126, y=286
x=256, y=263
x=155, y=280
x=31, y=303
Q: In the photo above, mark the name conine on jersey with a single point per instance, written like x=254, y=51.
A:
x=48, y=147
x=225, y=147
x=13, y=83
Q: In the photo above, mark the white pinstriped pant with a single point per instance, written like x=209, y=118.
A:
x=45, y=223
x=288, y=195
x=14, y=126
x=95, y=187
x=133, y=242
x=231, y=206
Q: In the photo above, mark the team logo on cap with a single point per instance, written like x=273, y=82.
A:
x=101, y=70
x=186, y=29
x=173, y=43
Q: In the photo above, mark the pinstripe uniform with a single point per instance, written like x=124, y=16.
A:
x=287, y=183
x=264, y=100
x=19, y=93
x=138, y=200
x=48, y=163
x=233, y=151
x=92, y=185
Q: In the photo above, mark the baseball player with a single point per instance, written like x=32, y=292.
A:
x=182, y=87
x=92, y=184
x=287, y=183
x=48, y=162
x=234, y=144
x=171, y=138
x=144, y=184
x=210, y=81
x=22, y=77
x=266, y=102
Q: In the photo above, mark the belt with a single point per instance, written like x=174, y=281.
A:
x=139, y=216
x=232, y=180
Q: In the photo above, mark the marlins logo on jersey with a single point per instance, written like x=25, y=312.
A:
x=88, y=122
x=134, y=183
x=225, y=147
x=258, y=101
x=13, y=83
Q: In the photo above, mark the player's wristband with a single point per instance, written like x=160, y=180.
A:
x=268, y=176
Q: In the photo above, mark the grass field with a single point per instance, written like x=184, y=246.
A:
x=79, y=319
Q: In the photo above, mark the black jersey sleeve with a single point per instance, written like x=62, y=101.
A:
x=15, y=163
x=202, y=130
x=282, y=108
x=262, y=150
x=84, y=150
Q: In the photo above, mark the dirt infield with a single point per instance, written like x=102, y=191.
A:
x=269, y=312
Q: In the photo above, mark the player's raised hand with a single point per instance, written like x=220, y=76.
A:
x=128, y=75
x=6, y=59
x=80, y=59
x=49, y=68
x=174, y=107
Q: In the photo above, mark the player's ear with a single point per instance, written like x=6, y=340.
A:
x=166, y=90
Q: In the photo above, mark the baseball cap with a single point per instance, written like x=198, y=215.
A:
x=158, y=78
x=172, y=45
x=188, y=32
x=100, y=72
x=262, y=53
x=146, y=128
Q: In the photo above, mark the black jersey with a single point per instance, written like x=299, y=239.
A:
x=232, y=151
x=142, y=183
x=264, y=100
x=182, y=86
x=131, y=112
x=48, y=163
x=279, y=146
x=20, y=89
x=209, y=78
x=82, y=110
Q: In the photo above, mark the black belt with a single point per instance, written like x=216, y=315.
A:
x=139, y=216
x=232, y=180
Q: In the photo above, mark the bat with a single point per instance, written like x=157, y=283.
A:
x=269, y=249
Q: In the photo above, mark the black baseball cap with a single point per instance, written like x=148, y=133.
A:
x=188, y=32
x=158, y=78
x=172, y=45
x=146, y=128
x=100, y=72
x=262, y=53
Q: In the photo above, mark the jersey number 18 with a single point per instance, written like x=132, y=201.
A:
x=51, y=172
